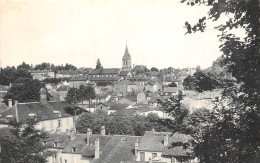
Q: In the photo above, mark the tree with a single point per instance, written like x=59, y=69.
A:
x=92, y=120
x=89, y=94
x=98, y=65
x=154, y=69
x=73, y=97
x=24, y=144
x=43, y=66
x=24, y=66
x=237, y=138
x=70, y=67
x=24, y=90
x=173, y=84
x=119, y=125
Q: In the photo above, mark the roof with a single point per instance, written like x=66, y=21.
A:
x=170, y=89
x=105, y=78
x=78, y=78
x=123, y=73
x=118, y=149
x=126, y=55
x=3, y=107
x=43, y=110
x=153, y=141
x=125, y=82
x=62, y=88
x=118, y=106
x=104, y=71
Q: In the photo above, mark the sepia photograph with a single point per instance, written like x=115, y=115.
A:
x=129, y=81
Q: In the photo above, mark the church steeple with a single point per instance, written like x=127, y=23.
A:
x=126, y=64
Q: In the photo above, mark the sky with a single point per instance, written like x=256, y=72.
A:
x=81, y=31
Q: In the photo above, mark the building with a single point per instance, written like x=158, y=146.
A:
x=51, y=114
x=126, y=61
x=42, y=74
x=157, y=147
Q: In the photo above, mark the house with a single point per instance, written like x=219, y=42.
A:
x=51, y=114
x=145, y=110
x=141, y=98
x=41, y=74
x=152, y=86
x=62, y=91
x=169, y=91
x=90, y=148
x=157, y=147
x=106, y=72
x=125, y=86
x=65, y=74
x=125, y=74
x=76, y=81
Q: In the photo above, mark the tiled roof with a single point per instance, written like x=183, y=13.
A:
x=42, y=110
x=152, y=141
x=104, y=71
x=117, y=149
x=125, y=82
x=62, y=88
x=78, y=78
x=3, y=107
x=105, y=78
x=123, y=73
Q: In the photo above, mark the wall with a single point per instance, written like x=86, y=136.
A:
x=75, y=158
x=148, y=155
x=52, y=125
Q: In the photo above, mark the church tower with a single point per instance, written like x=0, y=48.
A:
x=126, y=61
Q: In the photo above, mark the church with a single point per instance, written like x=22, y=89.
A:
x=113, y=74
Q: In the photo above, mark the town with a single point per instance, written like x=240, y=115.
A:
x=177, y=91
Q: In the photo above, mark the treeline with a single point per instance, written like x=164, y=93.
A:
x=183, y=122
x=216, y=76
x=48, y=66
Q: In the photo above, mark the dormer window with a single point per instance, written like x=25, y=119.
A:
x=57, y=113
x=44, y=142
x=74, y=150
x=32, y=115
x=55, y=144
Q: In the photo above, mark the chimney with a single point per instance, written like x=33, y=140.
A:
x=103, y=130
x=97, y=148
x=166, y=140
x=136, y=147
x=10, y=103
x=16, y=110
x=89, y=133
x=72, y=134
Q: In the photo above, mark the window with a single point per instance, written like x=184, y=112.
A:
x=59, y=123
x=74, y=150
x=55, y=144
x=154, y=155
x=65, y=161
x=142, y=156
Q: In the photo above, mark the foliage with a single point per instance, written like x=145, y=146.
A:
x=200, y=82
x=173, y=84
x=73, y=97
x=24, y=90
x=54, y=80
x=24, y=66
x=48, y=66
x=91, y=120
x=98, y=65
x=122, y=124
x=234, y=134
x=24, y=144
x=11, y=74
x=174, y=108
x=154, y=69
